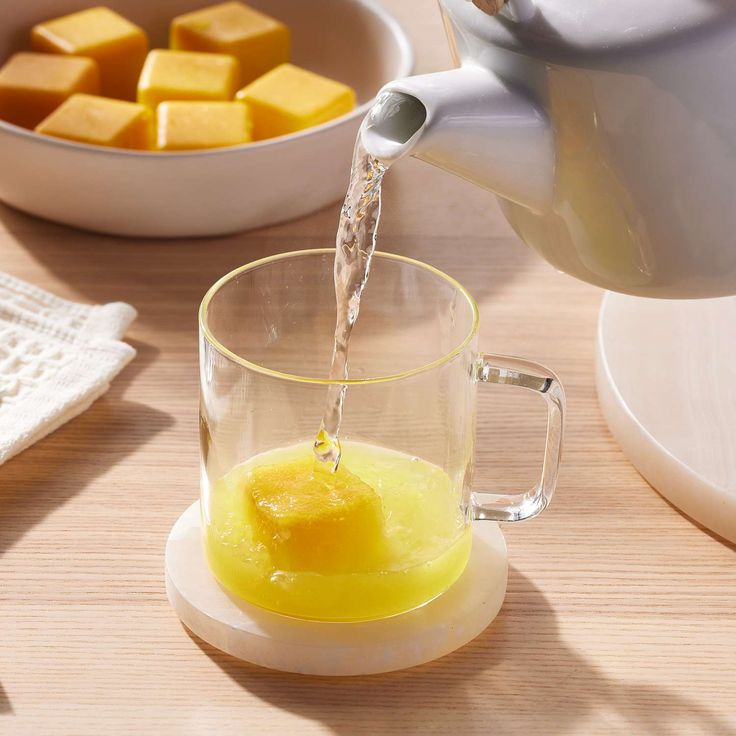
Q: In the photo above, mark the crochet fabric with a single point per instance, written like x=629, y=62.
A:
x=56, y=358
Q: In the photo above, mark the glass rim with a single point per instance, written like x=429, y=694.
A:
x=249, y=365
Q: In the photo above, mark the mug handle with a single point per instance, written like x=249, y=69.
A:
x=533, y=377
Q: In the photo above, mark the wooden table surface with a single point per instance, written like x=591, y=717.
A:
x=620, y=615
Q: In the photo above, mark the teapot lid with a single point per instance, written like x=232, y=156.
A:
x=583, y=27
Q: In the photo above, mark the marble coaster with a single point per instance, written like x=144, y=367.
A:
x=326, y=648
x=666, y=376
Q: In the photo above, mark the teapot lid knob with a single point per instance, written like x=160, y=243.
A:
x=489, y=6
x=516, y=10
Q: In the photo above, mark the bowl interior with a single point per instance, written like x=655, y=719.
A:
x=343, y=39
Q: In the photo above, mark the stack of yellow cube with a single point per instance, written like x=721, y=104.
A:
x=225, y=80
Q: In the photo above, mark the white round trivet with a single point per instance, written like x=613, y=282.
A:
x=322, y=648
x=667, y=387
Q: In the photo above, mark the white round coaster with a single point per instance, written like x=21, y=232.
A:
x=667, y=387
x=325, y=648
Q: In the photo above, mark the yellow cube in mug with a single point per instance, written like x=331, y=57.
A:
x=258, y=41
x=100, y=121
x=32, y=85
x=289, y=98
x=117, y=45
x=185, y=126
x=186, y=75
x=315, y=520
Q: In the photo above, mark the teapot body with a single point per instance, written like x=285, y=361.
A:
x=644, y=137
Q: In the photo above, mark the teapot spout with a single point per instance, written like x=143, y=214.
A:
x=468, y=122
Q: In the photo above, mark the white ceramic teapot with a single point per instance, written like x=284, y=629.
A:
x=607, y=127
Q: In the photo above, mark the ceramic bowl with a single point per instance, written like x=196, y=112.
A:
x=215, y=191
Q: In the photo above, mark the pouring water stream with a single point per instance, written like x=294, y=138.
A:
x=392, y=121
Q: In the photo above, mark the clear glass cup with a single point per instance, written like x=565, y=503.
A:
x=408, y=432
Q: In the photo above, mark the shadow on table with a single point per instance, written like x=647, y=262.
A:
x=5, y=704
x=713, y=535
x=166, y=279
x=553, y=688
x=49, y=473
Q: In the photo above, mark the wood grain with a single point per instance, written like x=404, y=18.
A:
x=621, y=613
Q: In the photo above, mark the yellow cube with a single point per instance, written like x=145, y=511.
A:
x=312, y=519
x=289, y=98
x=258, y=41
x=185, y=126
x=32, y=86
x=100, y=121
x=185, y=75
x=116, y=44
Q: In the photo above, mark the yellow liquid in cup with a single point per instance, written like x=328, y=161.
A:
x=382, y=536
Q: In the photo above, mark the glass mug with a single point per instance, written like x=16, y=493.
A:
x=401, y=534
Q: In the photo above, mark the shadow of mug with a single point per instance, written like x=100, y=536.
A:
x=517, y=677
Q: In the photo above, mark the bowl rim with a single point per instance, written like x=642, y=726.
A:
x=404, y=68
